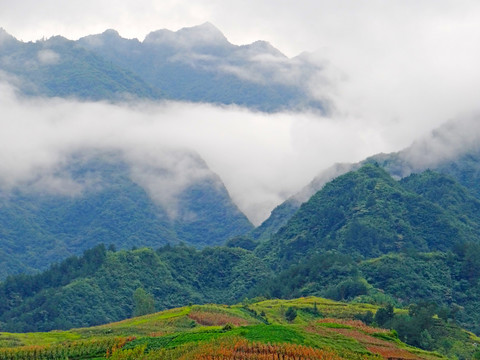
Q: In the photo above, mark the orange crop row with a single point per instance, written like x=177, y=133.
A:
x=392, y=353
x=244, y=350
x=215, y=319
x=358, y=324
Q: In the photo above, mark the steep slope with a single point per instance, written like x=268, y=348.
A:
x=365, y=213
x=363, y=237
x=283, y=212
x=368, y=237
x=451, y=149
x=39, y=226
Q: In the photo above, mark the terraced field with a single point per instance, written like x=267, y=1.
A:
x=322, y=329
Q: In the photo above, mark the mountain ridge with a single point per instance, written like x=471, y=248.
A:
x=114, y=206
x=438, y=151
x=195, y=64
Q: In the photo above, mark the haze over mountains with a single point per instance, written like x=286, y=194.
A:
x=182, y=141
x=195, y=64
x=104, y=200
x=452, y=149
x=54, y=139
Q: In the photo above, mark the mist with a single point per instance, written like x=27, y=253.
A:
x=261, y=158
x=391, y=72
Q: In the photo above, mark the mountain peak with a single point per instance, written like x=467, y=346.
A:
x=109, y=37
x=263, y=47
x=5, y=36
x=112, y=33
x=197, y=36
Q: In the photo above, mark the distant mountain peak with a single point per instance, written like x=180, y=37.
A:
x=263, y=47
x=189, y=37
x=206, y=30
x=111, y=33
x=5, y=36
x=109, y=37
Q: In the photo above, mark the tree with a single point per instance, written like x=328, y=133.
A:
x=367, y=318
x=315, y=309
x=384, y=314
x=144, y=302
x=290, y=314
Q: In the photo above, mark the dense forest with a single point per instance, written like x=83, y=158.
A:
x=38, y=228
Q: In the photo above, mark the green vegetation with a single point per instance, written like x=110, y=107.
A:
x=144, y=303
x=173, y=334
x=39, y=229
x=366, y=213
x=365, y=238
x=105, y=286
x=290, y=314
x=108, y=67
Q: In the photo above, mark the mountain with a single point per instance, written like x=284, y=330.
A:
x=452, y=149
x=195, y=64
x=329, y=247
x=369, y=237
x=283, y=212
x=365, y=237
x=367, y=213
x=107, y=200
x=59, y=67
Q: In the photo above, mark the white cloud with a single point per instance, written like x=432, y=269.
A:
x=408, y=61
x=48, y=57
x=262, y=159
x=393, y=70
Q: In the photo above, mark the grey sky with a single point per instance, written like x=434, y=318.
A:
x=396, y=70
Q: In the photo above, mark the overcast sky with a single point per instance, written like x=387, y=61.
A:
x=396, y=70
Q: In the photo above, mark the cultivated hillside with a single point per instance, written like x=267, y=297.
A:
x=311, y=328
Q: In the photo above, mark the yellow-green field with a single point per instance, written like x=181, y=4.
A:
x=324, y=329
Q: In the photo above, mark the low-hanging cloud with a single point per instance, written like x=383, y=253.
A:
x=261, y=158
x=445, y=143
x=391, y=71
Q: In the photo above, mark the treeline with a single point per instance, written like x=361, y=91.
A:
x=103, y=286
x=426, y=325
x=59, y=274
x=450, y=279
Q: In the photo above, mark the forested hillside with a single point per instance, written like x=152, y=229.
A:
x=368, y=237
x=440, y=151
x=100, y=286
x=365, y=237
x=367, y=213
x=195, y=64
x=39, y=227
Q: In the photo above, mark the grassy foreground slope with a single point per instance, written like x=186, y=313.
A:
x=321, y=329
